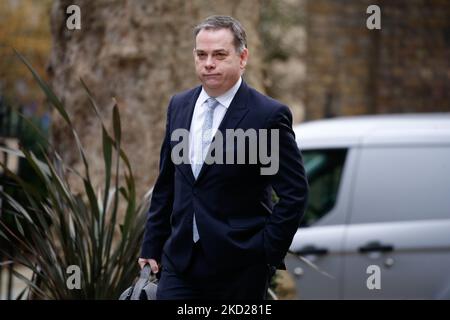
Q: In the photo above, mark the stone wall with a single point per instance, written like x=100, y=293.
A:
x=414, y=55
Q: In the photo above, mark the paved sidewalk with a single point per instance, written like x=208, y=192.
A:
x=17, y=284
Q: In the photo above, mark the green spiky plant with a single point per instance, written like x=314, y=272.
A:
x=57, y=228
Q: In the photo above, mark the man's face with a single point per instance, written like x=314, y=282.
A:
x=217, y=62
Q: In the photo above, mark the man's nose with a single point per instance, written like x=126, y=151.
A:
x=210, y=63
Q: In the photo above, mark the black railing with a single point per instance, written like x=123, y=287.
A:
x=10, y=129
x=10, y=122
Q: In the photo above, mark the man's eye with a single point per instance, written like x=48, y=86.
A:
x=221, y=55
x=201, y=55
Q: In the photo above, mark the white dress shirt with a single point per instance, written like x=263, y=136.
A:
x=195, y=133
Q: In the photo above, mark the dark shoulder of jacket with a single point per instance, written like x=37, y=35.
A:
x=267, y=105
x=180, y=99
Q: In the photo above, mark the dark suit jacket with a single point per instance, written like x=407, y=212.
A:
x=237, y=221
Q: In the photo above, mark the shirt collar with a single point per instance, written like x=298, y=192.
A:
x=224, y=99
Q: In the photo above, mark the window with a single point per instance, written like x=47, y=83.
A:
x=323, y=168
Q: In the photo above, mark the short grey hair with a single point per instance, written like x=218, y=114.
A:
x=225, y=22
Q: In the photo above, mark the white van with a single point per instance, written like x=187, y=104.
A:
x=378, y=219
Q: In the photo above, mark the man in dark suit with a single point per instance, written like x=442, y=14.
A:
x=212, y=227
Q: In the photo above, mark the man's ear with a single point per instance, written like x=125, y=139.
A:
x=193, y=52
x=244, y=58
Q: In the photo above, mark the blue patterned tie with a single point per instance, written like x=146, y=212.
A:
x=206, y=141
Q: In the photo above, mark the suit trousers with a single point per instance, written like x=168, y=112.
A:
x=201, y=282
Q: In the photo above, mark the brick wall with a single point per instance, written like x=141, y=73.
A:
x=404, y=67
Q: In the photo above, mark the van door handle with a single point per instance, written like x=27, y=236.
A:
x=311, y=250
x=375, y=246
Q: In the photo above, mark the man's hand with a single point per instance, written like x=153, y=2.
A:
x=153, y=264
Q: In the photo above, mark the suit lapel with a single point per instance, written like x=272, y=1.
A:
x=236, y=111
x=185, y=119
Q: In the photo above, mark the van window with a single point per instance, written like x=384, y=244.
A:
x=401, y=184
x=323, y=169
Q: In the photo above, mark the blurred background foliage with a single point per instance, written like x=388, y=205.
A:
x=24, y=25
x=54, y=228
